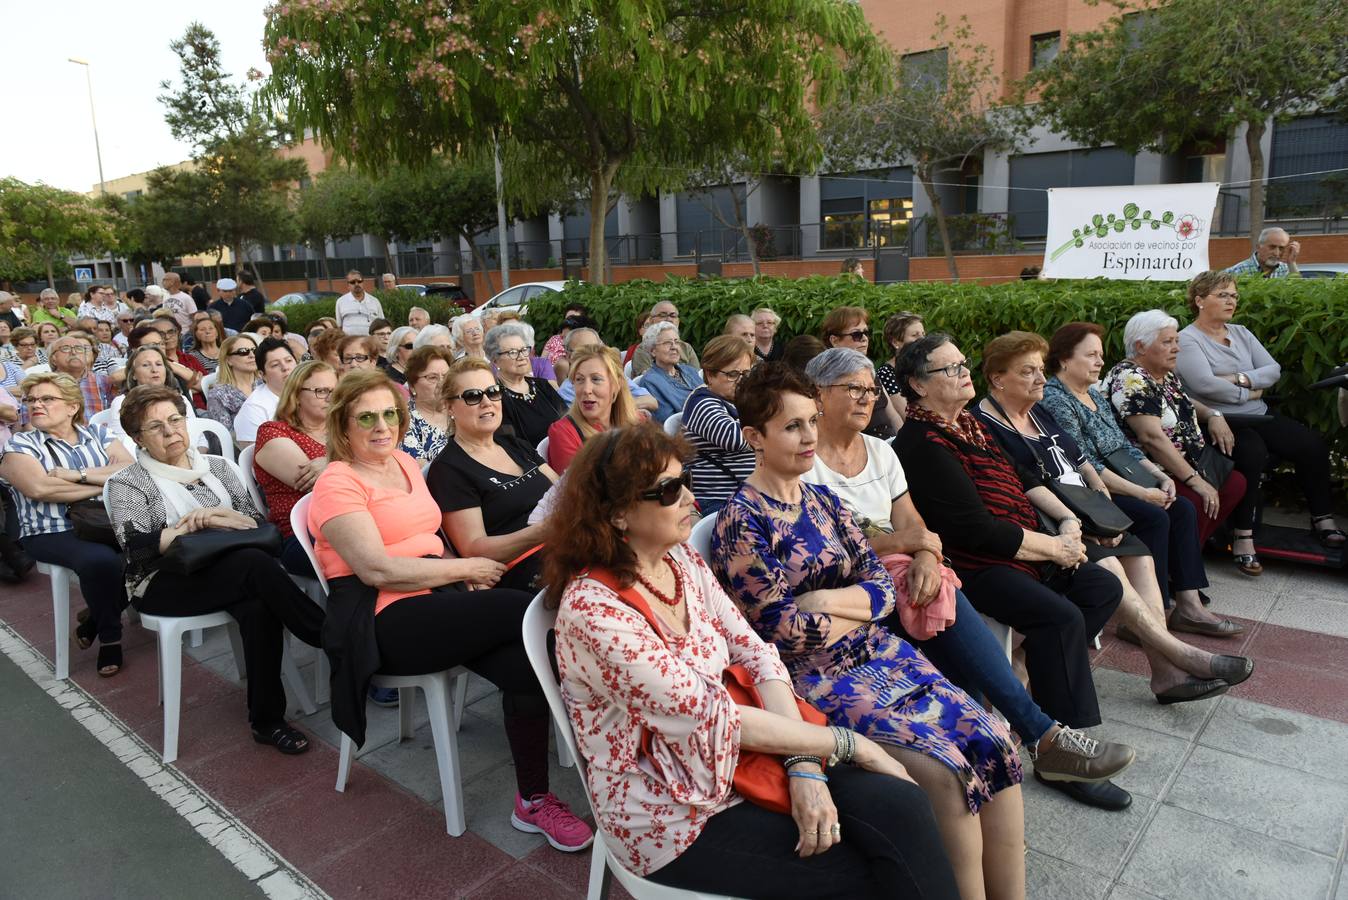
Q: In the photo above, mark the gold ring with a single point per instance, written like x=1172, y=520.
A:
x=816, y=831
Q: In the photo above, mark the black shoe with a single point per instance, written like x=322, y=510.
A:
x=1100, y=794
x=1193, y=689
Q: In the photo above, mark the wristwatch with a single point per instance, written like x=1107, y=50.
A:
x=1242, y=380
x=84, y=477
x=1216, y=413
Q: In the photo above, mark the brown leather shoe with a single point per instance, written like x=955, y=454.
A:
x=1224, y=628
x=1072, y=756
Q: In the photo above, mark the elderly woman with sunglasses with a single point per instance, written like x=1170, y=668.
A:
x=400, y=346
x=531, y=404
x=397, y=605
x=712, y=424
x=793, y=558
x=668, y=380
x=292, y=451
x=644, y=633
x=430, y=422
x=61, y=461
x=486, y=482
x=173, y=491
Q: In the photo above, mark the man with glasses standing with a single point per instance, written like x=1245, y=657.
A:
x=356, y=309
x=275, y=362
x=664, y=311
x=73, y=355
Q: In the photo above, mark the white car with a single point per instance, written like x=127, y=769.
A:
x=516, y=296
x=1323, y=270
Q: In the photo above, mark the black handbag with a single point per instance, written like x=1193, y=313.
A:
x=1122, y=463
x=190, y=553
x=88, y=518
x=1098, y=514
x=1215, y=466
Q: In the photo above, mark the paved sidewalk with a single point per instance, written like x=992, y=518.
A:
x=1243, y=796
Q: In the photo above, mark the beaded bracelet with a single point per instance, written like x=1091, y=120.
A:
x=792, y=760
x=813, y=776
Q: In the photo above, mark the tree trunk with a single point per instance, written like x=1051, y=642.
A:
x=481, y=262
x=941, y=227
x=1254, y=136
x=601, y=182
x=742, y=218
x=51, y=275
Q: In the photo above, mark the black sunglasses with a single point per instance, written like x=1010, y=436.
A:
x=669, y=490
x=473, y=396
x=858, y=336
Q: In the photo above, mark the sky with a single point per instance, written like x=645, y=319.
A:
x=44, y=102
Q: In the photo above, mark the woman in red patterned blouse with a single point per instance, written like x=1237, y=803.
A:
x=292, y=451
x=660, y=734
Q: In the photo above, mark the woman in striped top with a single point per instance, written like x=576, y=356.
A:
x=971, y=494
x=712, y=425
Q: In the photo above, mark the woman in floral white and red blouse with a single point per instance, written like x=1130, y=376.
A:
x=661, y=735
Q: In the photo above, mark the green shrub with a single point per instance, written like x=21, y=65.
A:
x=1304, y=323
x=396, y=304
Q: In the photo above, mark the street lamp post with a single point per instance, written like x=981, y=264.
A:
x=98, y=151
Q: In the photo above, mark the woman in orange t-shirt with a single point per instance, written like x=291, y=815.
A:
x=396, y=605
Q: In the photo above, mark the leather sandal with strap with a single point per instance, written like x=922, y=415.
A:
x=1332, y=538
x=289, y=741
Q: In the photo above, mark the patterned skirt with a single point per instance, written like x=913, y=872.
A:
x=880, y=685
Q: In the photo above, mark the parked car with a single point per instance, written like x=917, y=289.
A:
x=418, y=289
x=304, y=297
x=1322, y=270
x=451, y=292
x=516, y=296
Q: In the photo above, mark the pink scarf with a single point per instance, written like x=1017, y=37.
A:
x=922, y=622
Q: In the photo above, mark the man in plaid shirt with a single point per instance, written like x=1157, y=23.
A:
x=1274, y=257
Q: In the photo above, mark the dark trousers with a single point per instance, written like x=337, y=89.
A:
x=252, y=587
x=100, y=570
x=1291, y=441
x=1172, y=537
x=480, y=630
x=891, y=847
x=1057, y=620
x=1228, y=499
x=295, y=560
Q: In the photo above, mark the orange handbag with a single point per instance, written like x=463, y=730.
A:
x=760, y=777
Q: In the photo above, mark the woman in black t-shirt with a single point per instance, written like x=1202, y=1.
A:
x=487, y=483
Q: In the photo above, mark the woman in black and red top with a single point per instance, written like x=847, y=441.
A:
x=971, y=494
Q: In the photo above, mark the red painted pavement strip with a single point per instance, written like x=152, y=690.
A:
x=572, y=870
x=521, y=880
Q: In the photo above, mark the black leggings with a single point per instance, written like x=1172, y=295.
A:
x=1294, y=443
x=257, y=593
x=481, y=630
x=100, y=569
x=891, y=847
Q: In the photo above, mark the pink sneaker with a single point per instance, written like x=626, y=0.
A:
x=546, y=815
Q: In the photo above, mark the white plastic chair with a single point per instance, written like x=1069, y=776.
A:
x=543, y=448
x=538, y=621
x=61, y=577
x=171, y=630
x=445, y=694
x=700, y=539
x=208, y=381
x=37, y=369
x=104, y=418
x=199, y=426
x=673, y=424
x=627, y=369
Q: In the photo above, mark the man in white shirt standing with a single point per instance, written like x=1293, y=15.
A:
x=357, y=309
x=178, y=301
x=275, y=361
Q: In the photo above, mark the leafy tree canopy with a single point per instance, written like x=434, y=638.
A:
x=41, y=227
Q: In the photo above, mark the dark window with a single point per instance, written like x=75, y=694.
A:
x=700, y=229
x=1044, y=49
x=1135, y=25
x=576, y=226
x=1033, y=173
x=926, y=70
x=1308, y=144
x=865, y=209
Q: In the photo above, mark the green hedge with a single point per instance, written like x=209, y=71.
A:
x=1304, y=323
x=396, y=304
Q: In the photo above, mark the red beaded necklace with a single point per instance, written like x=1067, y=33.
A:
x=656, y=592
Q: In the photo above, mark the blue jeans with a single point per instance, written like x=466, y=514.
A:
x=974, y=660
x=294, y=560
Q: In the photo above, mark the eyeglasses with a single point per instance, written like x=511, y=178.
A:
x=665, y=315
x=733, y=374
x=517, y=353
x=320, y=393
x=27, y=345
x=355, y=281
x=665, y=345
x=352, y=360
x=73, y=351
x=382, y=333
x=432, y=377
x=1226, y=295
x=859, y=391
x=473, y=396
x=157, y=429
x=856, y=336
x=43, y=401
x=240, y=353
x=391, y=416
x=951, y=371
x=408, y=346
x=669, y=490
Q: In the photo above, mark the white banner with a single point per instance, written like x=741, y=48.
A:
x=1130, y=232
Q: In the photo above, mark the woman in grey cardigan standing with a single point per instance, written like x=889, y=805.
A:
x=1226, y=368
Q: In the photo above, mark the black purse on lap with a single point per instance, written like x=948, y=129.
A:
x=190, y=553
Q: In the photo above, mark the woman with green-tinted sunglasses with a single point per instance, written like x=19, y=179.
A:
x=398, y=605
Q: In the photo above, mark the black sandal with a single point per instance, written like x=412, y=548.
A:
x=109, y=660
x=1330, y=538
x=86, y=633
x=284, y=738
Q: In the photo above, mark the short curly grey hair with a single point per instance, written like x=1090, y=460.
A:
x=651, y=336
x=396, y=340
x=428, y=334
x=835, y=364
x=1144, y=327
x=492, y=344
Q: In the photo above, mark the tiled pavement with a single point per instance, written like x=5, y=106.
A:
x=1244, y=796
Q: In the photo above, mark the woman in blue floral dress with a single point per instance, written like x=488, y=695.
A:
x=796, y=563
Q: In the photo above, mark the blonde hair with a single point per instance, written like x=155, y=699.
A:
x=459, y=367
x=224, y=371
x=351, y=387
x=288, y=406
x=624, y=410
x=69, y=388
